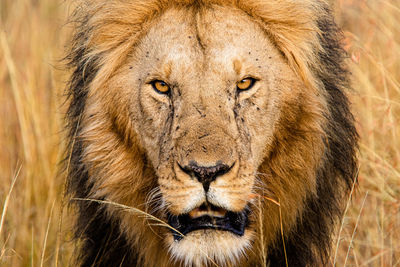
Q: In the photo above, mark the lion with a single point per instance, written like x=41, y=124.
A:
x=208, y=132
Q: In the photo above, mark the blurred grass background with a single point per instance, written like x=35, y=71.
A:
x=34, y=228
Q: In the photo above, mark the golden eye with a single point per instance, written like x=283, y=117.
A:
x=246, y=84
x=160, y=86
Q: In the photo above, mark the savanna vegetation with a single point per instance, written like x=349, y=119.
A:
x=35, y=222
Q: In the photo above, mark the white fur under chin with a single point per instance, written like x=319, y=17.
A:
x=198, y=248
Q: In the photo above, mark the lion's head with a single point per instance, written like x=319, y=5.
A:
x=223, y=120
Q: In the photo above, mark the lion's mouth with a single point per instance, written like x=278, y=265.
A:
x=208, y=216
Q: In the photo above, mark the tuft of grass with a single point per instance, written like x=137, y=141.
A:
x=35, y=231
x=372, y=39
x=32, y=38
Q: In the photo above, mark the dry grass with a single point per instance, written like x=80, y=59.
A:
x=32, y=35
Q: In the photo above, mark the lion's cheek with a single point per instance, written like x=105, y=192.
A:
x=258, y=122
x=181, y=198
x=232, y=195
x=152, y=128
x=152, y=110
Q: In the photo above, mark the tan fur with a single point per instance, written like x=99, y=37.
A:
x=202, y=48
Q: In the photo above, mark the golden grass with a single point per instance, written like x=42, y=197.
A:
x=34, y=230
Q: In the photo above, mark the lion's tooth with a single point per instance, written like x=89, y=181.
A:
x=196, y=213
x=219, y=213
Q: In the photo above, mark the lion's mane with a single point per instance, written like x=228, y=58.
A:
x=307, y=37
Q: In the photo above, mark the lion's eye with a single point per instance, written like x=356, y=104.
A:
x=160, y=86
x=246, y=84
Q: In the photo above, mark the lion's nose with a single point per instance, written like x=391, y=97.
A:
x=206, y=175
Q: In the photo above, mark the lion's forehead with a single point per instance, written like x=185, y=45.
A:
x=215, y=44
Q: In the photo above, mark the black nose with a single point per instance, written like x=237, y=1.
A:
x=206, y=175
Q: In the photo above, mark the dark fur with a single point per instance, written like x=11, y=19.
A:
x=103, y=244
x=340, y=162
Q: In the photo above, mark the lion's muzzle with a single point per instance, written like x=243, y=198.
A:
x=212, y=211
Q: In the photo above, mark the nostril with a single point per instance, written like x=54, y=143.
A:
x=206, y=175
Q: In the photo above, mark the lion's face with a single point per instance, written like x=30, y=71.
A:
x=205, y=94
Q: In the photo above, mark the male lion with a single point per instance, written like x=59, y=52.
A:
x=225, y=120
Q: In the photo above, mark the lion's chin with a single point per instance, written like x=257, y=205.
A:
x=203, y=247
